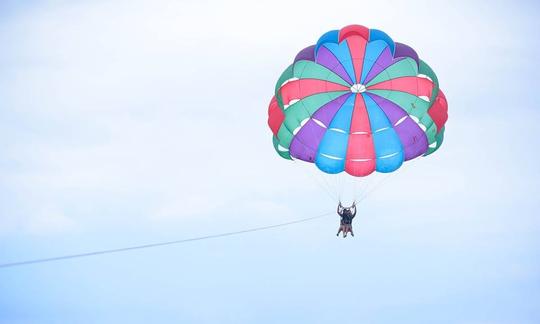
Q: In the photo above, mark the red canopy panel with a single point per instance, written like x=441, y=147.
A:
x=439, y=111
x=275, y=116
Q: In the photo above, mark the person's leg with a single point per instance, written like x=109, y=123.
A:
x=340, y=229
x=350, y=230
x=344, y=230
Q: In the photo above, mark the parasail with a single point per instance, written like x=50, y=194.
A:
x=358, y=102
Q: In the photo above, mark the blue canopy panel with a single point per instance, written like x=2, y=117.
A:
x=343, y=55
x=328, y=37
x=388, y=149
x=375, y=34
x=373, y=51
x=333, y=146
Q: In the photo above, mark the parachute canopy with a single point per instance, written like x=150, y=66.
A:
x=358, y=102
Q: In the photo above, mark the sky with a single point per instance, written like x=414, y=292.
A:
x=132, y=122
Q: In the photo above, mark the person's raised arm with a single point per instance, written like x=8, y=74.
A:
x=353, y=209
x=339, y=209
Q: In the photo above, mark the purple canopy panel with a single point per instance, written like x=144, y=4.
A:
x=390, y=109
x=403, y=50
x=328, y=60
x=307, y=54
x=304, y=145
x=383, y=61
x=327, y=112
x=412, y=137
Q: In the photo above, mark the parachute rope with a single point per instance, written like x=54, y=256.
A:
x=158, y=244
x=368, y=191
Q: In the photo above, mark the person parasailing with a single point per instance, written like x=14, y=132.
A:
x=347, y=214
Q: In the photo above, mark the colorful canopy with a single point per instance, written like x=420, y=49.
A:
x=357, y=102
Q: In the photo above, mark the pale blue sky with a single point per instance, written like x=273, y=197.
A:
x=127, y=122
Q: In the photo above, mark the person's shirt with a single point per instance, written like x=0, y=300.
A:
x=347, y=216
